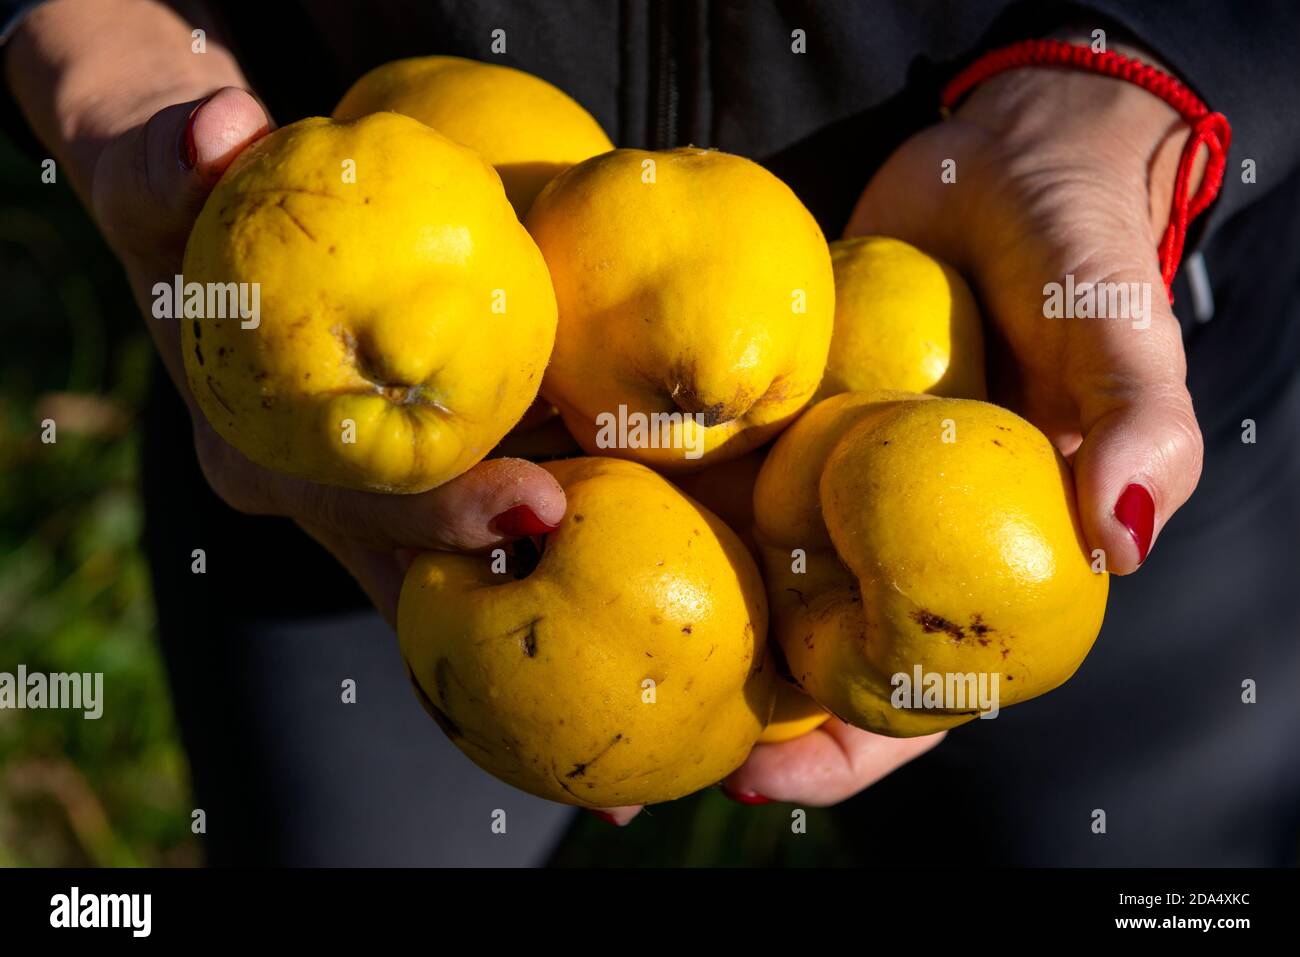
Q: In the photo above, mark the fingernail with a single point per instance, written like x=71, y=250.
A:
x=521, y=520
x=189, y=150
x=746, y=797
x=1136, y=511
x=605, y=816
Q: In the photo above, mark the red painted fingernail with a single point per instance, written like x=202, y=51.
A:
x=746, y=797
x=605, y=816
x=189, y=150
x=1136, y=511
x=521, y=520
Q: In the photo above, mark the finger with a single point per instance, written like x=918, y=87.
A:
x=618, y=816
x=189, y=146
x=823, y=767
x=217, y=130
x=496, y=501
x=1141, y=454
x=379, y=564
x=150, y=184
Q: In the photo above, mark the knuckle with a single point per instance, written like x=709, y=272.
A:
x=1187, y=438
x=1181, y=448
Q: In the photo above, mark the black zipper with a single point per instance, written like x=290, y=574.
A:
x=666, y=64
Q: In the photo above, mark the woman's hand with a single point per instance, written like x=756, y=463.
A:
x=144, y=127
x=1062, y=174
x=1057, y=174
x=149, y=185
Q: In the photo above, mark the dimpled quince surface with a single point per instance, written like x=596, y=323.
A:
x=938, y=533
x=406, y=316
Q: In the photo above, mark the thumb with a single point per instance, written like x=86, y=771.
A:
x=150, y=183
x=1140, y=458
x=215, y=131
x=377, y=537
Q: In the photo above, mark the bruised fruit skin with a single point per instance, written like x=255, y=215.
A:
x=627, y=667
x=408, y=310
x=961, y=557
x=903, y=320
x=689, y=282
x=525, y=127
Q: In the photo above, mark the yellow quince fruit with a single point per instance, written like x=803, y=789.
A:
x=696, y=302
x=623, y=665
x=525, y=127
x=924, y=560
x=794, y=714
x=405, y=315
x=903, y=320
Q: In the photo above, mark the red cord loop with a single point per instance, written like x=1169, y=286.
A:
x=1210, y=130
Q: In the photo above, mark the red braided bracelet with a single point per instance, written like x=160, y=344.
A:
x=1210, y=129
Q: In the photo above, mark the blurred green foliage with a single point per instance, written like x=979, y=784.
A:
x=74, y=586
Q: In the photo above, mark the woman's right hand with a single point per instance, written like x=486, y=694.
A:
x=149, y=185
x=116, y=93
